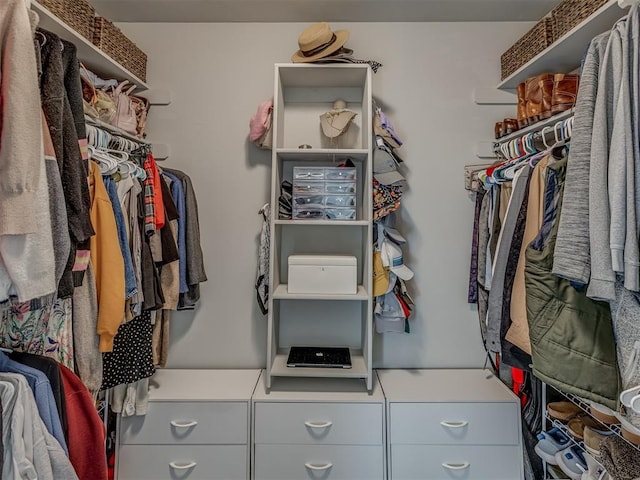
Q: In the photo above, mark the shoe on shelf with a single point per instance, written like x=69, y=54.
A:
x=546, y=87
x=592, y=439
x=602, y=413
x=630, y=432
x=576, y=425
x=498, y=130
x=522, y=106
x=563, y=411
x=565, y=91
x=595, y=471
x=550, y=443
x=509, y=126
x=533, y=93
x=571, y=461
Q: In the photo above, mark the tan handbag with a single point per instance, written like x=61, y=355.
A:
x=97, y=104
x=125, y=117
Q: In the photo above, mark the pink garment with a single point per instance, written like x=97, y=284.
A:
x=258, y=123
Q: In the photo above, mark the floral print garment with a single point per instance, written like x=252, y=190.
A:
x=41, y=331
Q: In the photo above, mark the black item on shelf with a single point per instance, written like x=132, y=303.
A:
x=284, y=202
x=333, y=357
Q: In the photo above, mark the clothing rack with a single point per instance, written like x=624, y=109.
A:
x=540, y=138
x=115, y=131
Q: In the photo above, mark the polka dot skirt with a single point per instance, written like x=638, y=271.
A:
x=132, y=356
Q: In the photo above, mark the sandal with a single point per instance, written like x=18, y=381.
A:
x=563, y=411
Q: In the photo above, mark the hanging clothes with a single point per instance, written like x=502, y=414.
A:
x=20, y=150
x=107, y=261
x=132, y=357
x=86, y=429
x=195, y=263
x=572, y=258
x=572, y=342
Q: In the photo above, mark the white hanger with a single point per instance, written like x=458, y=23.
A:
x=626, y=3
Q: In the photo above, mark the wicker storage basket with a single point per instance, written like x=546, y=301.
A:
x=571, y=13
x=530, y=45
x=78, y=14
x=108, y=38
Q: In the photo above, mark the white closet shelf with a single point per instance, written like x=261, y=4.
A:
x=91, y=56
x=358, y=367
x=566, y=53
x=281, y=293
x=537, y=127
x=319, y=154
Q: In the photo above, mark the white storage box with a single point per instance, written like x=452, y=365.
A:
x=323, y=274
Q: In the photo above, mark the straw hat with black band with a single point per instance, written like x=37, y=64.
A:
x=319, y=41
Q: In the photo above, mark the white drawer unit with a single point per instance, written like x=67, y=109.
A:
x=192, y=462
x=323, y=428
x=326, y=462
x=451, y=424
x=319, y=423
x=197, y=427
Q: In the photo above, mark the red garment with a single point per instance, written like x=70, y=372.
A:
x=86, y=430
x=157, y=194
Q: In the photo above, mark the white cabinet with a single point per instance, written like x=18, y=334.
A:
x=302, y=94
x=197, y=428
x=330, y=429
x=462, y=424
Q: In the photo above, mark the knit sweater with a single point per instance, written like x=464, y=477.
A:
x=20, y=150
x=572, y=256
x=602, y=283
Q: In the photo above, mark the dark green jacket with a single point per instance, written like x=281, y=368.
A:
x=572, y=340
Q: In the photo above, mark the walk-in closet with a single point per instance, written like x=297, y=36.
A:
x=320, y=240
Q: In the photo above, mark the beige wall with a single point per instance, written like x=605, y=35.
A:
x=218, y=73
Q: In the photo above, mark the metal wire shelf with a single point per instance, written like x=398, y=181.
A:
x=580, y=444
x=584, y=405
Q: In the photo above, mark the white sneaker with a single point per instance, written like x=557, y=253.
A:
x=595, y=471
x=571, y=461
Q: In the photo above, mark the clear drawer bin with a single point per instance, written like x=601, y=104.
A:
x=311, y=187
x=308, y=201
x=308, y=173
x=340, y=187
x=340, y=173
x=340, y=213
x=340, y=201
x=308, y=213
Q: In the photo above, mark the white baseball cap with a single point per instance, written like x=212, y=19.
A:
x=392, y=258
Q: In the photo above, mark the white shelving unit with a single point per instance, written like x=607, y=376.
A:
x=566, y=53
x=93, y=58
x=302, y=93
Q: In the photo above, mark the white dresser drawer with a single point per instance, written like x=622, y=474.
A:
x=173, y=423
x=454, y=423
x=426, y=462
x=217, y=462
x=319, y=423
x=318, y=462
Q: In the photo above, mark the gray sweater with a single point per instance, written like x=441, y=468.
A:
x=572, y=257
x=601, y=285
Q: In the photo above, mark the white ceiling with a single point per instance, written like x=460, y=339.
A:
x=327, y=10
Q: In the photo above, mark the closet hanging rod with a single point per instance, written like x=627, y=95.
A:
x=115, y=130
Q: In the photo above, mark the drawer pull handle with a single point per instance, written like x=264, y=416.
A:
x=183, y=425
x=311, y=466
x=456, y=466
x=318, y=424
x=185, y=466
x=454, y=424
